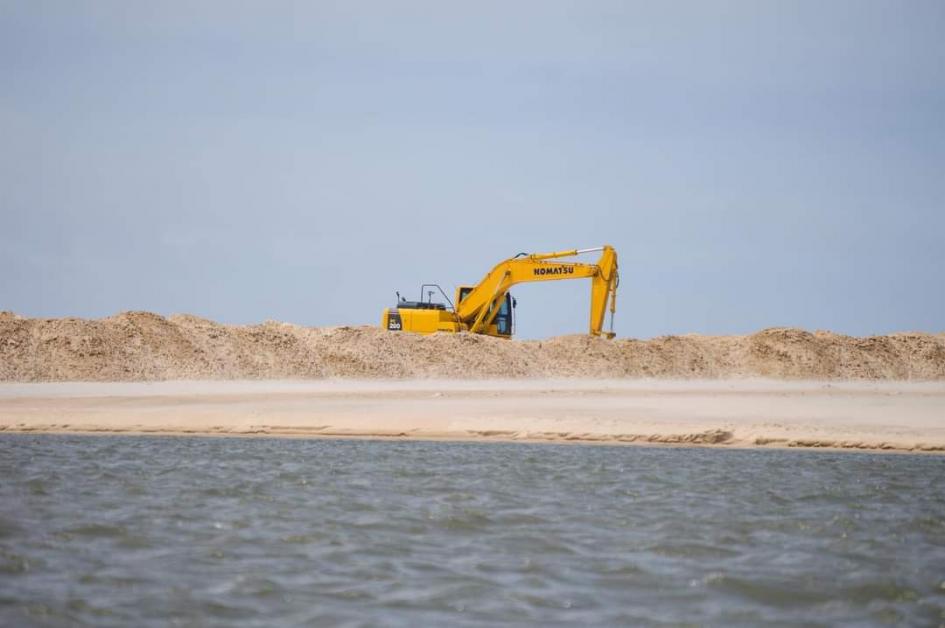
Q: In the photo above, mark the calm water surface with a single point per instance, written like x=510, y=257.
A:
x=260, y=531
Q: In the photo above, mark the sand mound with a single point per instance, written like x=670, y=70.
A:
x=145, y=346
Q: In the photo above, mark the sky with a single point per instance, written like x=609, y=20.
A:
x=755, y=164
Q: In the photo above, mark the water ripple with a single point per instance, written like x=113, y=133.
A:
x=221, y=531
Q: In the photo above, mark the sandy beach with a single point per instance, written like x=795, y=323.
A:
x=887, y=416
x=144, y=346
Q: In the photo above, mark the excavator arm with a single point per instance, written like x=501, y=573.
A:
x=479, y=307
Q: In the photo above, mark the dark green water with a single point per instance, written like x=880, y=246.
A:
x=140, y=531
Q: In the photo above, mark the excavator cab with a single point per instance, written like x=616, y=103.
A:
x=503, y=323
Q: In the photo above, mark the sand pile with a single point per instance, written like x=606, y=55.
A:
x=145, y=346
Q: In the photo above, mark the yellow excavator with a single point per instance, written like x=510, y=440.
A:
x=487, y=307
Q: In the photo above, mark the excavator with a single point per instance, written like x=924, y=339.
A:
x=486, y=308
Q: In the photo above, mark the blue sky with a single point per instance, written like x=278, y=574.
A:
x=755, y=164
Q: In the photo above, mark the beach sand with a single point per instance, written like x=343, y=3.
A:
x=882, y=416
x=143, y=346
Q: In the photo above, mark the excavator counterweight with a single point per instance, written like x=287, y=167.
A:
x=487, y=307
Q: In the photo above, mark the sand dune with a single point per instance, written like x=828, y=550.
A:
x=140, y=346
x=363, y=381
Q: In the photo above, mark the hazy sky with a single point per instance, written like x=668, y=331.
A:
x=754, y=163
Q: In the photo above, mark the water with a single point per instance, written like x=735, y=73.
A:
x=244, y=531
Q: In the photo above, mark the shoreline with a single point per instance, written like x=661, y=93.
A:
x=451, y=438
x=725, y=413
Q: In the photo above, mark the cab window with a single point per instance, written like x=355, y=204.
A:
x=503, y=319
